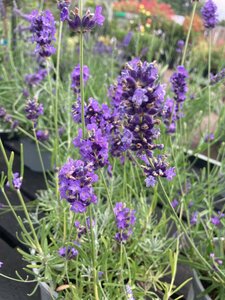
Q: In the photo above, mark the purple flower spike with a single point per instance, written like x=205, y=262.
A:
x=2, y=112
x=75, y=77
x=33, y=110
x=129, y=292
x=63, y=6
x=88, y=22
x=36, y=78
x=75, y=184
x=43, y=30
x=68, y=252
x=180, y=46
x=42, y=135
x=125, y=219
x=209, y=14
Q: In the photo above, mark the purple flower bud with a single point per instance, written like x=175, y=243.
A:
x=2, y=112
x=1, y=264
x=16, y=181
x=174, y=203
x=209, y=137
x=42, y=135
x=68, y=252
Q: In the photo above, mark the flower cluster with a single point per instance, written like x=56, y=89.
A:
x=75, y=184
x=35, y=78
x=68, y=252
x=42, y=135
x=33, y=110
x=214, y=79
x=180, y=46
x=63, y=6
x=8, y=118
x=173, y=107
x=43, y=32
x=93, y=149
x=16, y=181
x=87, y=22
x=125, y=220
x=75, y=77
x=155, y=167
x=129, y=292
x=138, y=98
x=209, y=14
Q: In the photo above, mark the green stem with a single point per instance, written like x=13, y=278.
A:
x=57, y=95
x=40, y=157
x=189, y=32
x=93, y=255
x=209, y=112
x=29, y=221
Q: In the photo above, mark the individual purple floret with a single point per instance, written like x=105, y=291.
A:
x=33, y=110
x=215, y=220
x=2, y=112
x=43, y=32
x=16, y=181
x=42, y=135
x=214, y=79
x=175, y=203
x=129, y=292
x=180, y=46
x=35, y=78
x=68, y=252
x=194, y=218
x=75, y=77
x=75, y=184
x=63, y=6
x=209, y=14
x=209, y=137
x=157, y=167
x=1, y=264
x=125, y=220
x=94, y=149
x=88, y=22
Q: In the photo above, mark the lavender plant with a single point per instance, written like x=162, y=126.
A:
x=112, y=158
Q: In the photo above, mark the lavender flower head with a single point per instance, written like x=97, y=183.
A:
x=68, y=252
x=88, y=22
x=42, y=135
x=209, y=14
x=75, y=184
x=94, y=149
x=138, y=97
x=129, y=292
x=75, y=77
x=16, y=181
x=63, y=6
x=2, y=112
x=35, y=78
x=125, y=220
x=180, y=46
x=179, y=84
x=214, y=79
x=33, y=110
x=43, y=30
